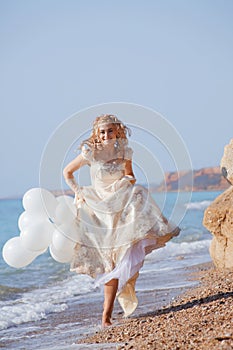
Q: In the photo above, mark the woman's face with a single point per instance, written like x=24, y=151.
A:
x=108, y=132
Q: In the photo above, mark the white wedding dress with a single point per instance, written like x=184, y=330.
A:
x=117, y=225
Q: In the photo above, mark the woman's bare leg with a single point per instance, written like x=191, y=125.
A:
x=110, y=290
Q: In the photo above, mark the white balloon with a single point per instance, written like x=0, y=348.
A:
x=62, y=243
x=66, y=210
x=62, y=257
x=37, y=237
x=68, y=200
x=29, y=219
x=16, y=255
x=70, y=230
x=40, y=201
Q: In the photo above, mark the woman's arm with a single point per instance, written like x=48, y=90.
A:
x=129, y=171
x=73, y=166
x=68, y=171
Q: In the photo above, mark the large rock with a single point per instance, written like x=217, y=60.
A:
x=227, y=162
x=218, y=217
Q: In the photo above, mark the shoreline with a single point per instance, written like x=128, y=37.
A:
x=201, y=318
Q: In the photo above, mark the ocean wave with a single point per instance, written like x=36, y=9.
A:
x=38, y=303
x=198, y=205
x=174, y=250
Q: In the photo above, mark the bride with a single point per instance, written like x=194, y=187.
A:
x=117, y=223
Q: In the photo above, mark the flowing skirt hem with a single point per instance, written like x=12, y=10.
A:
x=127, y=271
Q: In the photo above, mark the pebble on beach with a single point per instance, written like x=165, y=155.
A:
x=202, y=319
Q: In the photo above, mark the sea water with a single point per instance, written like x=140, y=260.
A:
x=45, y=306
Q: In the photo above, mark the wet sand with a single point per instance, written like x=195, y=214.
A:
x=201, y=318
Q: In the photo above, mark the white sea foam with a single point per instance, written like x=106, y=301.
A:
x=174, y=250
x=37, y=304
x=198, y=205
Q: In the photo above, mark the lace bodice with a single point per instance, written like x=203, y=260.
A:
x=107, y=167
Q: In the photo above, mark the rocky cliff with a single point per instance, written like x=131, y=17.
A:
x=218, y=216
x=205, y=179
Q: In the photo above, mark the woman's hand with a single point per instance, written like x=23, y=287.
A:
x=130, y=178
x=78, y=198
x=129, y=172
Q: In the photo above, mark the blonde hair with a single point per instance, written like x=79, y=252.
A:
x=94, y=140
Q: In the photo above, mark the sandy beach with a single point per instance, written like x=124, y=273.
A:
x=201, y=318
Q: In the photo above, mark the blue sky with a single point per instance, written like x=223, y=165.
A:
x=59, y=57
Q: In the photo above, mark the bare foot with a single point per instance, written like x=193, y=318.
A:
x=106, y=321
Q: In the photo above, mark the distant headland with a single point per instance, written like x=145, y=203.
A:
x=205, y=179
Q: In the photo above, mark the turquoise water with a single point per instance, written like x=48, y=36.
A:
x=46, y=290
